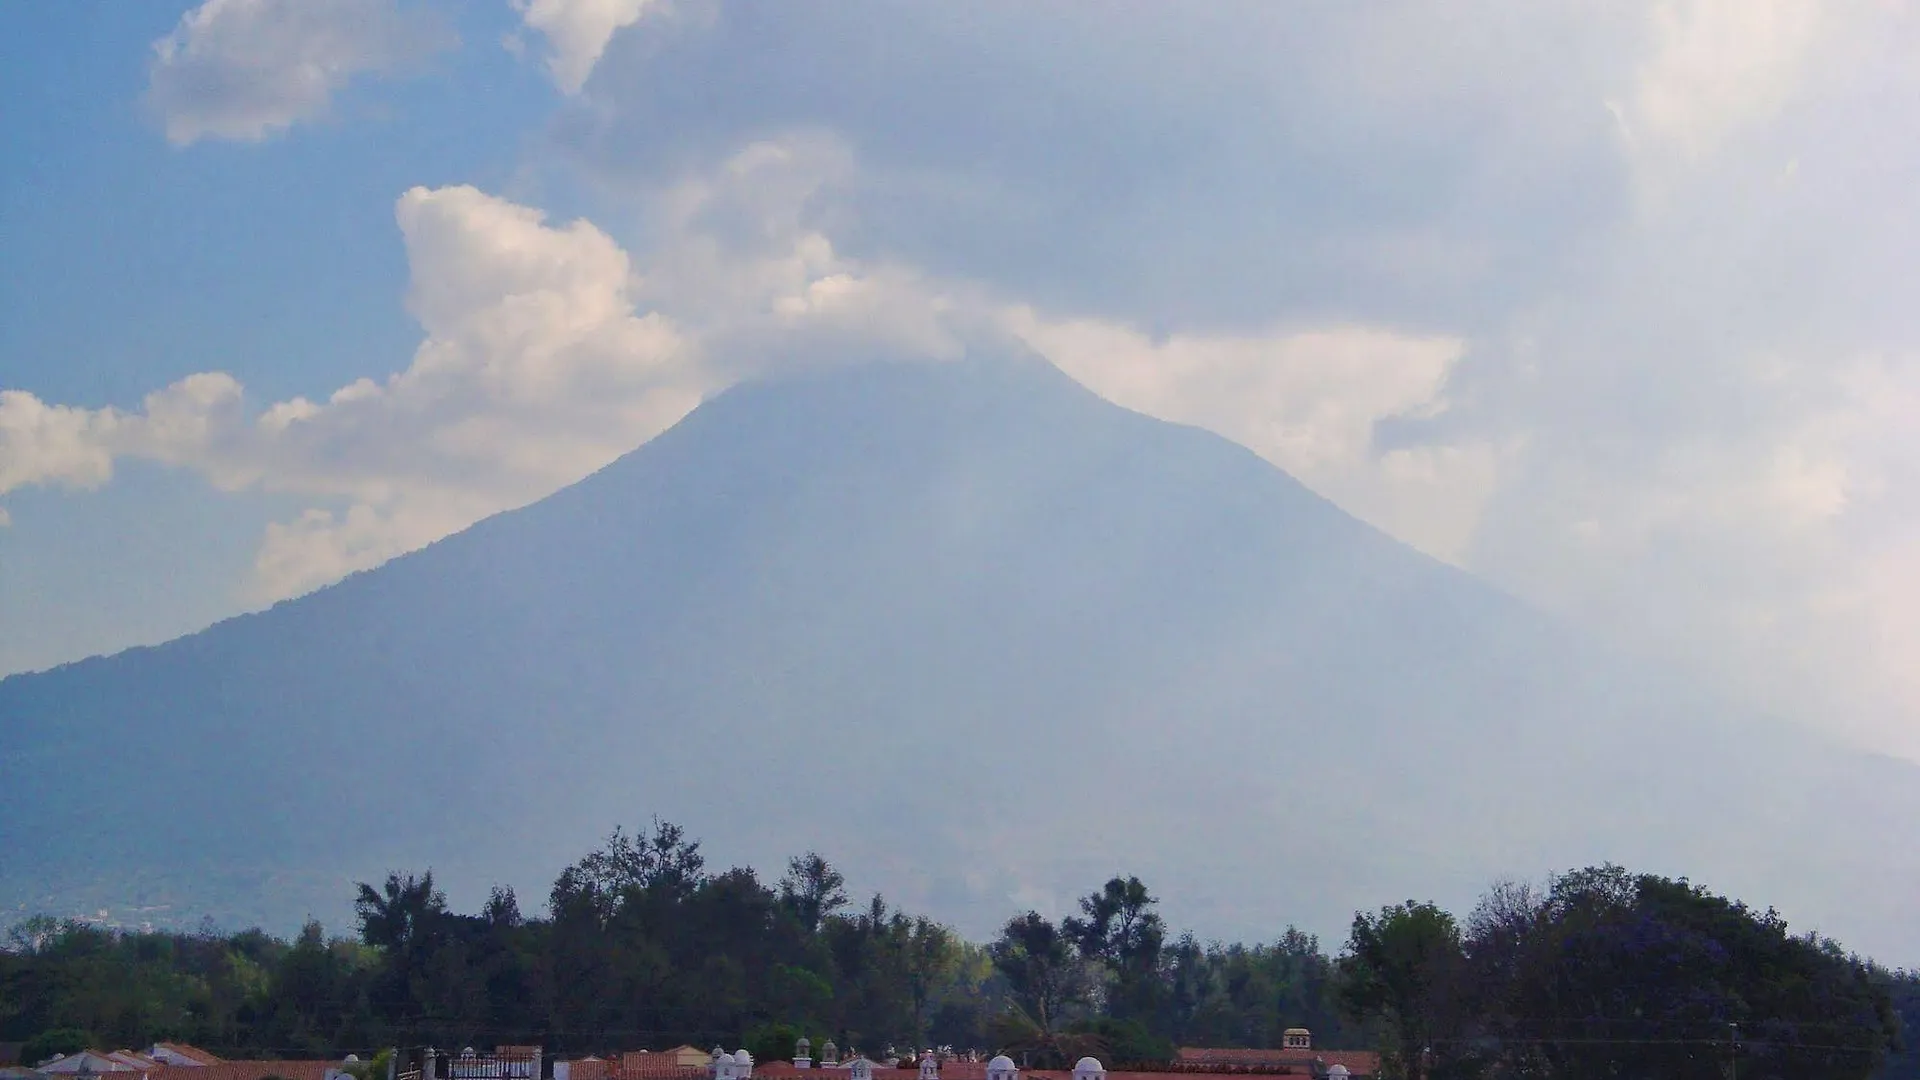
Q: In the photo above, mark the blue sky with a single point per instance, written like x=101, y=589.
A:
x=1604, y=305
x=136, y=263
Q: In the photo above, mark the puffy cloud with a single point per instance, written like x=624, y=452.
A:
x=244, y=69
x=57, y=445
x=52, y=444
x=546, y=354
x=577, y=32
x=534, y=371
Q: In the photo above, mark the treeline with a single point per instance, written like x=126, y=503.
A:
x=639, y=945
x=1605, y=973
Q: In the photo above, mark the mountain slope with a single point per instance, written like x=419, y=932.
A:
x=978, y=635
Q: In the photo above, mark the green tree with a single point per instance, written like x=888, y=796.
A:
x=1046, y=980
x=812, y=889
x=57, y=1041
x=1611, y=973
x=1399, y=967
x=1122, y=931
x=399, y=917
x=1125, y=1044
x=932, y=960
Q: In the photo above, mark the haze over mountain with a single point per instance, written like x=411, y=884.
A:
x=980, y=637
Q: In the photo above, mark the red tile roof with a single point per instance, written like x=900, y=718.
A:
x=1196, y=1058
x=955, y=1070
x=1300, y=1069
x=246, y=1070
x=636, y=1066
x=1264, y=1062
x=839, y=1072
x=1191, y=1061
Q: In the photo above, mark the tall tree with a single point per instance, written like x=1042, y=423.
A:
x=399, y=916
x=813, y=889
x=1122, y=931
x=1038, y=963
x=1399, y=968
x=932, y=959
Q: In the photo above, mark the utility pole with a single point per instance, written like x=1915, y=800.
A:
x=1733, y=1052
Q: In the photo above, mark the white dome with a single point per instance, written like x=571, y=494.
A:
x=1002, y=1063
x=741, y=1057
x=1338, y=1070
x=1087, y=1064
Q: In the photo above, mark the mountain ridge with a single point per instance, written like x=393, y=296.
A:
x=978, y=632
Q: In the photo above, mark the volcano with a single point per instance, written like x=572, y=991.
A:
x=979, y=636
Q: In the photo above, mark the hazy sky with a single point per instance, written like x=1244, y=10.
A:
x=1610, y=303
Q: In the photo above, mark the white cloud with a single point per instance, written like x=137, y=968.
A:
x=548, y=352
x=535, y=370
x=577, y=32
x=538, y=366
x=245, y=69
x=1308, y=400
x=52, y=444
x=57, y=445
x=321, y=546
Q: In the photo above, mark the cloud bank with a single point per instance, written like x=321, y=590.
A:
x=246, y=69
x=548, y=353
x=1664, y=241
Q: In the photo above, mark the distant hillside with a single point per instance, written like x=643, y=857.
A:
x=985, y=637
